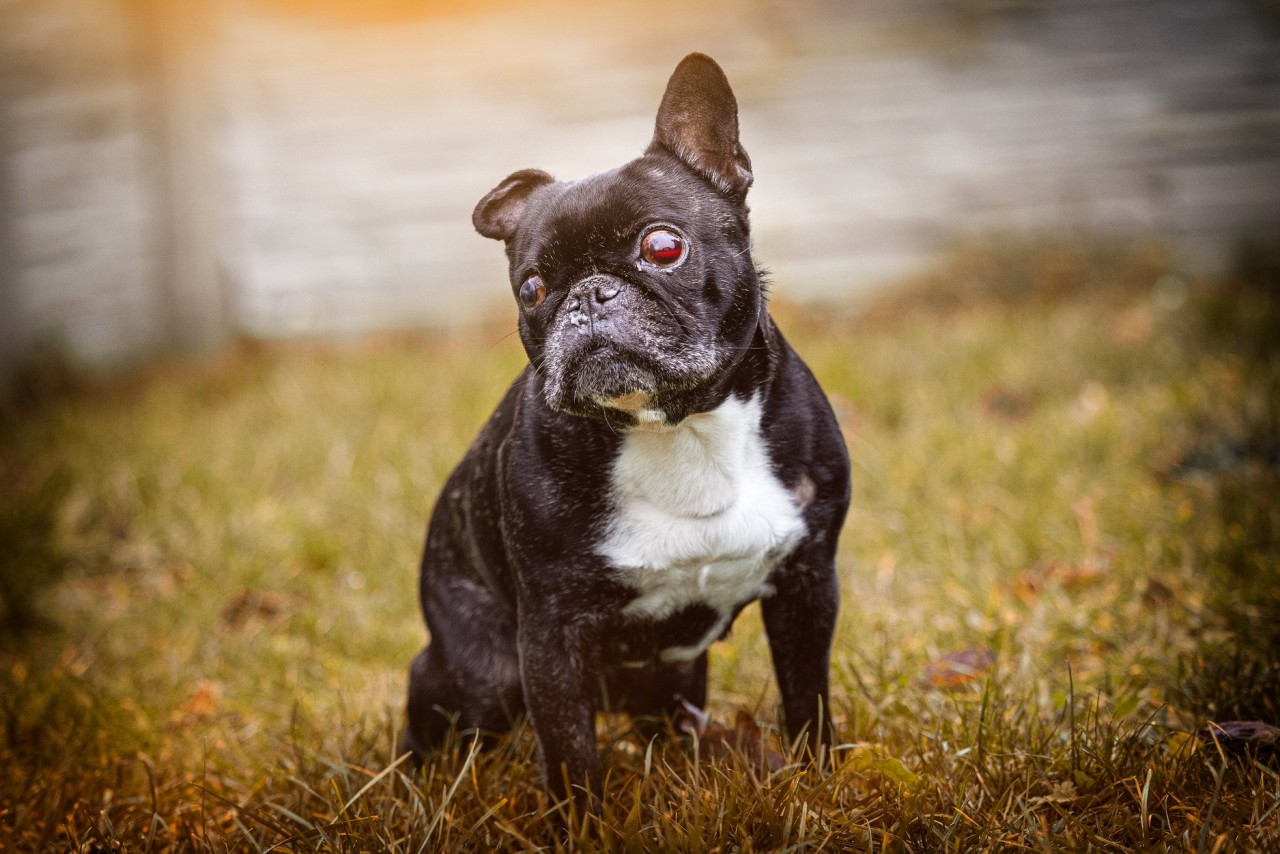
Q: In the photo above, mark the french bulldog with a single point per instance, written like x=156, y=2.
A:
x=664, y=460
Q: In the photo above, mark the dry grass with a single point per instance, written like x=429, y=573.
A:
x=1060, y=566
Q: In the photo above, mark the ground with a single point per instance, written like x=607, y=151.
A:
x=1059, y=625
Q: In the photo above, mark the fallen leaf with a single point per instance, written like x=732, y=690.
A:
x=1007, y=405
x=1242, y=734
x=1156, y=592
x=1075, y=574
x=1214, y=458
x=1086, y=513
x=251, y=604
x=1133, y=326
x=1028, y=585
x=199, y=706
x=958, y=668
x=719, y=741
x=1063, y=792
x=873, y=758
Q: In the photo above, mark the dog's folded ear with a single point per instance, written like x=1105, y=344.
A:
x=498, y=213
x=698, y=122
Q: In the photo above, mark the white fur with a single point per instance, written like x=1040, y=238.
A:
x=700, y=518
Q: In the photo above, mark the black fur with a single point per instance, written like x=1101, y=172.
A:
x=524, y=615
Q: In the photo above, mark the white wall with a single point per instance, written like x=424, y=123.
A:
x=75, y=222
x=349, y=156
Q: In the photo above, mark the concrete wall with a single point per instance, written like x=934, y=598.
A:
x=344, y=150
x=76, y=224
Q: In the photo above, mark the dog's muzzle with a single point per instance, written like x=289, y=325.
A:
x=589, y=304
x=592, y=358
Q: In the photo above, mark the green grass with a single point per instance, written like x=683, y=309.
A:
x=1065, y=475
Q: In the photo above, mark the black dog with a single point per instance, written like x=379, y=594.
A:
x=664, y=460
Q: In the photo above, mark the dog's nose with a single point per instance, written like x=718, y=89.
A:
x=597, y=287
x=586, y=302
x=605, y=292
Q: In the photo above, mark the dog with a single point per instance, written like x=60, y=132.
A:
x=664, y=460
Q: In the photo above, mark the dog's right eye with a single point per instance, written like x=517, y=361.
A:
x=532, y=292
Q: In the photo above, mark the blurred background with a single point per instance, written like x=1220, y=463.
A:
x=175, y=175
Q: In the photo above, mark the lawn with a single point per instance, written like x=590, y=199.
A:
x=1060, y=616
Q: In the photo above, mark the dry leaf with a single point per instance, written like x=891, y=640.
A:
x=958, y=668
x=1214, y=458
x=718, y=741
x=1086, y=513
x=199, y=706
x=250, y=604
x=1156, y=592
x=1027, y=585
x=1062, y=792
x=873, y=758
x=1133, y=326
x=1007, y=405
x=1242, y=734
x=1074, y=574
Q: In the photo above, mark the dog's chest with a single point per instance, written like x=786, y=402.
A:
x=700, y=517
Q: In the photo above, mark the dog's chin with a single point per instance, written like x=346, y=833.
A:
x=602, y=379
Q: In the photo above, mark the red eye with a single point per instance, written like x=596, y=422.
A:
x=532, y=292
x=663, y=248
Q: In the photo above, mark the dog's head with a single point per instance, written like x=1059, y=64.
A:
x=636, y=286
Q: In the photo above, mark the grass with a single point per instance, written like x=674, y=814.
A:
x=1060, y=566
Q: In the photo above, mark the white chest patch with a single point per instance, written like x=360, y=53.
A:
x=700, y=516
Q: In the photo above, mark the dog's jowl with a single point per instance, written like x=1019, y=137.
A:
x=664, y=460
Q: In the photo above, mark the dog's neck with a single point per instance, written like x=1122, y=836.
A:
x=752, y=369
x=690, y=469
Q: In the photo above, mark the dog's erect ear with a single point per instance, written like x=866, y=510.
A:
x=698, y=122
x=498, y=213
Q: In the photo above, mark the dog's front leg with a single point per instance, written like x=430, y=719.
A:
x=559, y=666
x=800, y=620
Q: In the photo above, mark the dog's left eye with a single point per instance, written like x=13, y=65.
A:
x=663, y=248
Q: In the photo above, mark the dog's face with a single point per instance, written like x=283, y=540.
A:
x=636, y=286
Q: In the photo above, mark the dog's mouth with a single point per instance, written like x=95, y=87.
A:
x=633, y=368
x=632, y=403
x=605, y=375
